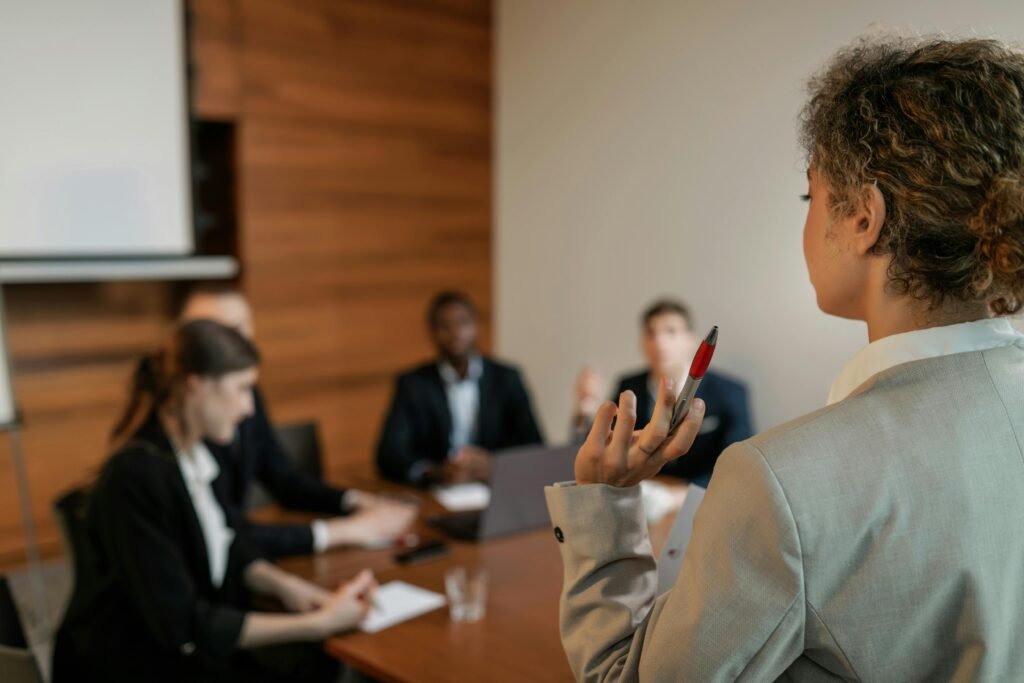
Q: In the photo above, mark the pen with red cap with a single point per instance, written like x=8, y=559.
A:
x=700, y=364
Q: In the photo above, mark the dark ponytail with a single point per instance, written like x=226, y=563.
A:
x=143, y=395
x=198, y=347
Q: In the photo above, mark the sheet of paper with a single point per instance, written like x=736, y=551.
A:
x=398, y=601
x=461, y=497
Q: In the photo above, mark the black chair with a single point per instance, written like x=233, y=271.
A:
x=301, y=443
x=17, y=663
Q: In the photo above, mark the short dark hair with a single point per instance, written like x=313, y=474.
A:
x=446, y=298
x=664, y=307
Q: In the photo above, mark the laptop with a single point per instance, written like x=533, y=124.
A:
x=671, y=559
x=518, y=478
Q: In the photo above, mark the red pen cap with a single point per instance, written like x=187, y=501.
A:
x=702, y=360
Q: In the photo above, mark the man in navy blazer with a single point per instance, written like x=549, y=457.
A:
x=447, y=416
x=669, y=344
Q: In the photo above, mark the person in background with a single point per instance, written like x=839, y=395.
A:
x=255, y=455
x=448, y=415
x=669, y=343
x=166, y=594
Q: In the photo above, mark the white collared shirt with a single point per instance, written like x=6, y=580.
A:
x=463, y=401
x=653, y=384
x=321, y=532
x=898, y=349
x=198, y=469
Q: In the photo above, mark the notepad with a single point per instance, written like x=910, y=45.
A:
x=462, y=497
x=398, y=601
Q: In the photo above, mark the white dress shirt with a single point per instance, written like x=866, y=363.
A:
x=463, y=401
x=907, y=347
x=198, y=469
x=321, y=535
x=321, y=532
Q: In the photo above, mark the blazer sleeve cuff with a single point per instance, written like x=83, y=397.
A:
x=597, y=523
x=417, y=473
x=219, y=630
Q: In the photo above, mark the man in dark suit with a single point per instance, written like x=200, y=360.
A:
x=669, y=344
x=448, y=415
x=351, y=517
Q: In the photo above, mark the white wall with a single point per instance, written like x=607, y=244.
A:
x=648, y=148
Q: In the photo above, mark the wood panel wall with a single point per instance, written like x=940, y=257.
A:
x=365, y=187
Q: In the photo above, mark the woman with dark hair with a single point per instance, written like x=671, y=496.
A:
x=166, y=591
x=879, y=538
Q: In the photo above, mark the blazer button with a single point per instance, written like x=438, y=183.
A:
x=188, y=648
x=559, y=535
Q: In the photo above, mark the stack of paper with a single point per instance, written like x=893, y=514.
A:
x=461, y=497
x=398, y=601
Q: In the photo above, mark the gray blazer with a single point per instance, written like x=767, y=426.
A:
x=878, y=539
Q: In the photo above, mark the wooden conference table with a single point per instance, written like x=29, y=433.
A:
x=517, y=640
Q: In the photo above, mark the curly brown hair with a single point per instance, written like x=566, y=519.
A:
x=938, y=125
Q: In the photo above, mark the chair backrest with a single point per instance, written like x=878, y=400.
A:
x=301, y=443
x=18, y=666
x=17, y=663
x=11, y=632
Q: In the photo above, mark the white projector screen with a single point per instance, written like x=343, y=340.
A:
x=94, y=127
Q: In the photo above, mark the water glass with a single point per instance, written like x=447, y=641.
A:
x=467, y=593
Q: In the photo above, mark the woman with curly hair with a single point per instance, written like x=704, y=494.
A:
x=880, y=537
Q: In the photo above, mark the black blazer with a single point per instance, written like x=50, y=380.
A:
x=418, y=424
x=726, y=421
x=147, y=609
x=256, y=455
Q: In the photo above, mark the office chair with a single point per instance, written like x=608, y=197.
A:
x=301, y=443
x=17, y=663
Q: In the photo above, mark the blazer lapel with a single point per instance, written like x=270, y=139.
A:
x=194, y=535
x=488, y=418
x=439, y=404
x=153, y=434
